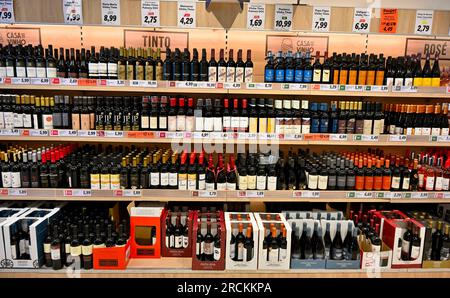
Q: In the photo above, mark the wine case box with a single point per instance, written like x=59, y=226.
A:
x=340, y=264
x=308, y=263
x=37, y=221
x=232, y=223
x=337, y=215
x=200, y=222
x=112, y=258
x=382, y=215
x=436, y=264
x=145, y=227
x=374, y=260
x=393, y=230
x=177, y=252
x=427, y=262
x=279, y=221
x=5, y=215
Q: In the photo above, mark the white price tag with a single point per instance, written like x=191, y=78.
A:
x=77, y=192
x=115, y=83
x=256, y=15
x=87, y=133
x=114, y=134
x=201, y=135
x=338, y=137
x=132, y=193
x=424, y=22
x=20, y=81
x=73, y=12
x=216, y=135
x=208, y=85
x=352, y=88
x=252, y=136
x=251, y=194
x=150, y=13
x=305, y=194
x=69, y=82
x=232, y=85
x=283, y=17
x=397, y=138
x=443, y=138
x=17, y=192
x=40, y=81
x=417, y=195
x=38, y=133
x=66, y=133
x=259, y=86
x=325, y=87
x=7, y=12
x=268, y=136
x=110, y=12
x=376, y=88
x=10, y=132
x=297, y=87
x=142, y=83
x=396, y=195
x=366, y=138
x=187, y=14
x=361, y=20
x=321, y=19
x=364, y=194
x=294, y=137
x=186, y=84
x=412, y=89
x=175, y=135
x=204, y=193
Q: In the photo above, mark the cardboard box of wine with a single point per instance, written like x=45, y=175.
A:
x=242, y=241
x=177, y=245
x=24, y=238
x=329, y=215
x=274, y=246
x=372, y=258
x=5, y=215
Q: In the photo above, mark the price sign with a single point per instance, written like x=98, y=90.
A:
x=298, y=87
x=73, y=12
x=77, y=192
x=17, y=192
x=150, y=13
x=113, y=134
x=283, y=17
x=132, y=193
x=232, y=85
x=396, y=195
x=110, y=12
x=187, y=14
x=389, y=20
x=424, y=22
x=366, y=138
x=361, y=20
x=364, y=194
x=40, y=81
x=87, y=133
x=260, y=86
x=397, y=138
x=20, y=81
x=256, y=15
x=7, y=11
x=65, y=133
x=321, y=19
x=375, y=88
x=251, y=194
x=38, y=133
x=338, y=137
x=204, y=193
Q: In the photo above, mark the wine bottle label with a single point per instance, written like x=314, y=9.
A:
x=221, y=74
x=279, y=75
x=93, y=70
x=21, y=72
x=408, y=82
x=172, y=123
x=172, y=241
x=226, y=123
x=409, y=131
x=198, y=123
x=15, y=179
x=210, y=186
x=208, y=248
x=102, y=69
x=154, y=179
x=307, y=76
x=312, y=181
x=10, y=71
x=367, y=130
x=272, y=183
x=40, y=72
x=47, y=248
x=398, y=82
x=185, y=241
x=216, y=253
x=426, y=131
x=47, y=120
x=306, y=125
x=317, y=74
x=435, y=131
x=283, y=254
x=251, y=182
x=269, y=75
x=212, y=74
x=405, y=246
x=18, y=120
x=271, y=125
x=405, y=185
x=231, y=72
x=239, y=75
x=2, y=121
x=436, y=82
x=289, y=75
x=261, y=182
x=105, y=181
x=242, y=182
x=421, y=182
x=326, y=76
x=95, y=181
x=398, y=130
x=445, y=253
x=444, y=131
x=14, y=251
x=55, y=253
x=86, y=250
x=262, y=125
x=198, y=248
x=221, y=186
x=231, y=186
x=332, y=180
x=243, y=123
x=153, y=122
x=429, y=183
x=248, y=77
x=181, y=123
x=218, y=124
x=51, y=72
x=273, y=255
x=182, y=181
x=114, y=181
x=438, y=185
x=173, y=179
x=208, y=124
x=253, y=125
x=395, y=182
x=240, y=251
x=75, y=250
x=178, y=241
x=235, y=123
x=192, y=182
x=112, y=69
x=164, y=179
x=3, y=72
x=190, y=123
x=350, y=182
x=445, y=183
x=322, y=182
x=163, y=123
x=145, y=122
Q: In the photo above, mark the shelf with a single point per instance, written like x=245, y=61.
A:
x=134, y=270
x=169, y=195
x=185, y=87
x=164, y=137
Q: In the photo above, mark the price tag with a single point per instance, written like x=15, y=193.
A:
x=268, y=136
x=251, y=194
x=259, y=86
x=17, y=192
x=40, y=81
x=204, y=193
x=132, y=193
x=361, y=20
x=376, y=88
x=409, y=89
x=142, y=83
x=351, y=88
x=150, y=13
x=77, y=192
x=294, y=137
x=396, y=195
x=364, y=194
x=325, y=87
x=207, y=85
x=388, y=20
x=187, y=14
x=110, y=12
x=186, y=84
x=65, y=133
x=397, y=138
x=216, y=135
x=115, y=83
x=9, y=132
x=87, y=133
x=20, y=81
x=366, y=138
x=7, y=12
x=256, y=15
x=311, y=194
x=338, y=137
x=297, y=87
x=443, y=138
x=38, y=133
x=69, y=82
x=114, y=134
x=73, y=12
x=417, y=195
x=283, y=17
x=424, y=22
x=382, y=195
x=252, y=136
x=321, y=19
x=232, y=85
x=175, y=135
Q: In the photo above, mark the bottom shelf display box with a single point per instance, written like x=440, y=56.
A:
x=24, y=237
x=307, y=228
x=274, y=241
x=242, y=241
x=112, y=258
x=209, y=238
x=433, y=258
x=5, y=215
x=373, y=258
x=348, y=257
x=177, y=233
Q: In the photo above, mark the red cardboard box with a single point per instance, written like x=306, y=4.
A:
x=146, y=232
x=185, y=251
x=112, y=258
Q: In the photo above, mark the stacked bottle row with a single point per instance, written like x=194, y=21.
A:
x=241, y=245
x=177, y=230
x=72, y=237
x=123, y=64
x=67, y=166
x=228, y=115
x=352, y=69
x=208, y=241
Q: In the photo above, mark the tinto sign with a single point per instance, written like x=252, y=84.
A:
x=431, y=46
x=294, y=43
x=156, y=39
